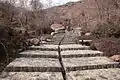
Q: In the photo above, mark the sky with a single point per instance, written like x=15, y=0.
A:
x=50, y=3
x=56, y=2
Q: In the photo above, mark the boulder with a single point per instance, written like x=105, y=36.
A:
x=53, y=33
x=115, y=58
x=87, y=34
x=33, y=41
x=56, y=27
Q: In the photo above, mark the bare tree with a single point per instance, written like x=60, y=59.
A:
x=37, y=14
x=36, y=5
x=8, y=8
x=107, y=9
x=49, y=3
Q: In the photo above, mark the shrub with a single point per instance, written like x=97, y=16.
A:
x=107, y=30
x=10, y=43
x=110, y=46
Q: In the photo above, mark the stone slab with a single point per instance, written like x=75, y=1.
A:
x=85, y=40
x=86, y=63
x=44, y=47
x=39, y=54
x=97, y=74
x=34, y=65
x=62, y=43
x=33, y=76
x=74, y=47
x=80, y=53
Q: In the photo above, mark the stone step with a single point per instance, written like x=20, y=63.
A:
x=74, y=47
x=56, y=42
x=34, y=65
x=39, y=54
x=45, y=47
x=87, y=63
x=97, y=74
x=68, y=39
x=80, y=53
x=62, y=43
x=69, y=42
x=85, y=40
x=33, y=76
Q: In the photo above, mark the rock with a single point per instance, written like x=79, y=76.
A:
x=33, y=41
x=48, y=40
x=53, y=33
x=45, y=37
x=87, y=34
x=56, y=27
x=43, y=42
x=115, y=58
x=3, y=74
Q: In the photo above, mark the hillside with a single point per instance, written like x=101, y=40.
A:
x=85, y=13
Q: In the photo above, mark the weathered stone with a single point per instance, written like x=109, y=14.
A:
x=87, y=34
x=74, y=47
x=85, y=40
x=34, y=41
x=97, y=74
x=45, y=47
x=39, y=54
x=34, y=65
x=56, y=27
x=115, y=58
x=33, y=76
x=80, y=53
x=85, y=63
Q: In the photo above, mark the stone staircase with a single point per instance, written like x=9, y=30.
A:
x=68, y=61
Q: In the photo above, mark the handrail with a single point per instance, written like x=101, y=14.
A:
x=61, y=40
x=60, y=59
